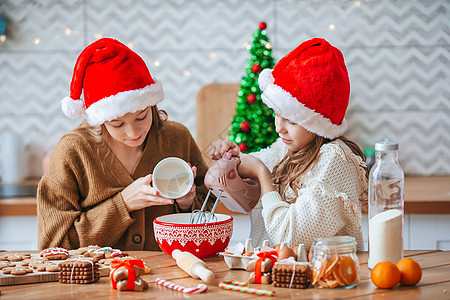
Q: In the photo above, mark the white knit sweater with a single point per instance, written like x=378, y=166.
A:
x=328, y=202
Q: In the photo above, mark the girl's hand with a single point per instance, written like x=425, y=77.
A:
x=140, y=194
x=185, y=202
x=219, y=147
x=252, y=167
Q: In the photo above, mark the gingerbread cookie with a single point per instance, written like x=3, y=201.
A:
x=78, y=271
x=266, y=265
x=291, y=275
x=39, y=267
x=119, y=278
x=14, y=257
x=6, y=264
x=55, y=253
x=139, y=285
x=4, y=257
x=52, y=268
x=103, y=253
x=266, y=278
x=36, y=262
x=26, y=262
x=17, y=270
x=83, y=250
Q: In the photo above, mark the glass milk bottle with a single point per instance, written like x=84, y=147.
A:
x=386, y=181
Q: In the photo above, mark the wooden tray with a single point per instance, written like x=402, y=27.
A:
x=37, y=277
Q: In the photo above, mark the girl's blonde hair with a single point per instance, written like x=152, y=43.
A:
x=97, y=132
x=295, y=164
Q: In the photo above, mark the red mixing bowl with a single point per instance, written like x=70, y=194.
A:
x=203, y=240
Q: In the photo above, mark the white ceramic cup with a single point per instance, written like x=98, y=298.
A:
x=172, y=177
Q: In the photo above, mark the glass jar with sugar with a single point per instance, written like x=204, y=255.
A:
x=386, y=205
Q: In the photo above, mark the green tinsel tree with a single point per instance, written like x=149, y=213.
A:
x=253, y=127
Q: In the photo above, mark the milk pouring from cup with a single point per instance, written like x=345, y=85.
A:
x=386, y=182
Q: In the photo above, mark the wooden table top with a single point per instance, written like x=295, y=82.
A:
x=435, y=283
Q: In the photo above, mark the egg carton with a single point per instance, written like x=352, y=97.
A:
x=239, y=256
x=235, y=261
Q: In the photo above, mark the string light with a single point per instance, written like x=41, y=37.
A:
x=331, y=27
x=37, y=41
x=156, y=63
x=186, y=73
x=357, y=4
x=97, y=36
x=67, y=31
x=212, y=55
x=130, y=45
x=244, y=45
x=268, y=45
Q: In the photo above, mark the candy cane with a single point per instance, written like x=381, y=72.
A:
x=199, y=289
x=247, y=290
x=235, y=282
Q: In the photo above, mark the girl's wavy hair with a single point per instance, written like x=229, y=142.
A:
x=97, y=132
x=295, y=164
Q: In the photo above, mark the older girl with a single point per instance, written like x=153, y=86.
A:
x=97, y=188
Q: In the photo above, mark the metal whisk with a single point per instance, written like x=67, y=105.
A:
x=199, y=216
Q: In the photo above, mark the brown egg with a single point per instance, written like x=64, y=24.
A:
x=285, y=253
x=277, y=247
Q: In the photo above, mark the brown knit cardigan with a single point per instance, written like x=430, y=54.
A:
x=79, y=201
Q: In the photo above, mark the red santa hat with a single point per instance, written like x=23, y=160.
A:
x=114, y=80
x=310, y=87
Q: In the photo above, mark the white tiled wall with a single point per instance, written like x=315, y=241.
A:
x=397, y=53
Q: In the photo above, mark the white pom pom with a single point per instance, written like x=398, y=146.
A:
x=72, y=108
x=265, y=78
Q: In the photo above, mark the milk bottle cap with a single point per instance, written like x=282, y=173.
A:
x=386, y=145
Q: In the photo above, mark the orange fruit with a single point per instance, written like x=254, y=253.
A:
x=339, y=270
x=410, y=271
x=322, y=283
x=348, y=270
x=385, y=275
x=331, y=281
x=330, y=266
x=319, y=266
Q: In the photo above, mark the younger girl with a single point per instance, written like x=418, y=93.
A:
x=97, y=188
x=313, y=180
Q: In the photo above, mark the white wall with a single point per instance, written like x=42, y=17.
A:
x=397, y=54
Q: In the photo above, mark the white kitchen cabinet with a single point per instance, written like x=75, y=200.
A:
x=18, y=233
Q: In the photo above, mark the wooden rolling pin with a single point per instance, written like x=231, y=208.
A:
x=193, y=265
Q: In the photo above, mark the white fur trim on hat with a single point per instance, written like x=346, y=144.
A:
x=72, y=108
x=115, y=106
x=290, y=108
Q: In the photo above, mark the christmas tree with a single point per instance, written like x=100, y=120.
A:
x=253, y=127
